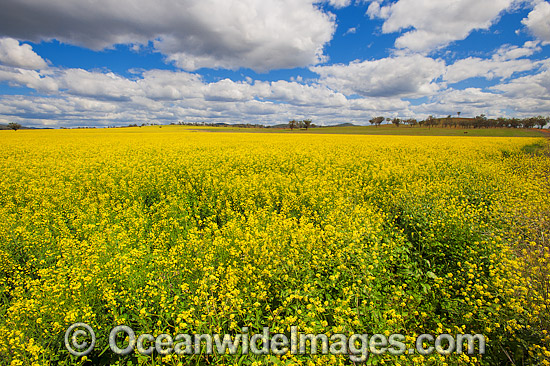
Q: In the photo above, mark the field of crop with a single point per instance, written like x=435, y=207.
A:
x=175, y=231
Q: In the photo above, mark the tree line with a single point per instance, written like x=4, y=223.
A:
x=306, y=123
x=480, y=121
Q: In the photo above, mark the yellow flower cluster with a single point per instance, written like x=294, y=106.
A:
x=176, y=231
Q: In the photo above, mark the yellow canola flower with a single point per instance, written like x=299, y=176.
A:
x=173, y=230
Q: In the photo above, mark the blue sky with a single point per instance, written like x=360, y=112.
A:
x=110, y=63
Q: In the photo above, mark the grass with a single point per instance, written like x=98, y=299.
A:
x=534, y=149
x=431, y=131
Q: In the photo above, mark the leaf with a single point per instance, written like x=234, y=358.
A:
x=432, y=275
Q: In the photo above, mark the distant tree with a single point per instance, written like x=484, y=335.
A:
x=543, y=121
x=430, y=121
x=307, y=123
x=514, y=122
x=292, y=124
x=396, y=121
x=529, y=122
x=458, y=114
x=480, y=121
x=14, y=126
x=502, y=122
x=540, y=121
x=411, y=122
x=377, y=121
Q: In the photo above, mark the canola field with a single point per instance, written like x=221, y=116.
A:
x=173, y=231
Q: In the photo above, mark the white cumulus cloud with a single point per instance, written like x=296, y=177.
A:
x=403, y=76
x=430, y=24
x=339, y=3
x=257, y=34
x=12, y=53
x=536, y=86
x=538, y=21
x=507, y=61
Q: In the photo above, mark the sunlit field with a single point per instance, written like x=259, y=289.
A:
x=170, y=230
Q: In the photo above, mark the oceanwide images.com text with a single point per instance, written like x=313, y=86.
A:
x=80, y=340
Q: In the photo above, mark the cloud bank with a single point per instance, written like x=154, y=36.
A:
x=257, y=34
x=430, y=24
x=538, y=21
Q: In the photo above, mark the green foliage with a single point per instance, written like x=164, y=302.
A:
x=14, y=126
x=535, y=148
